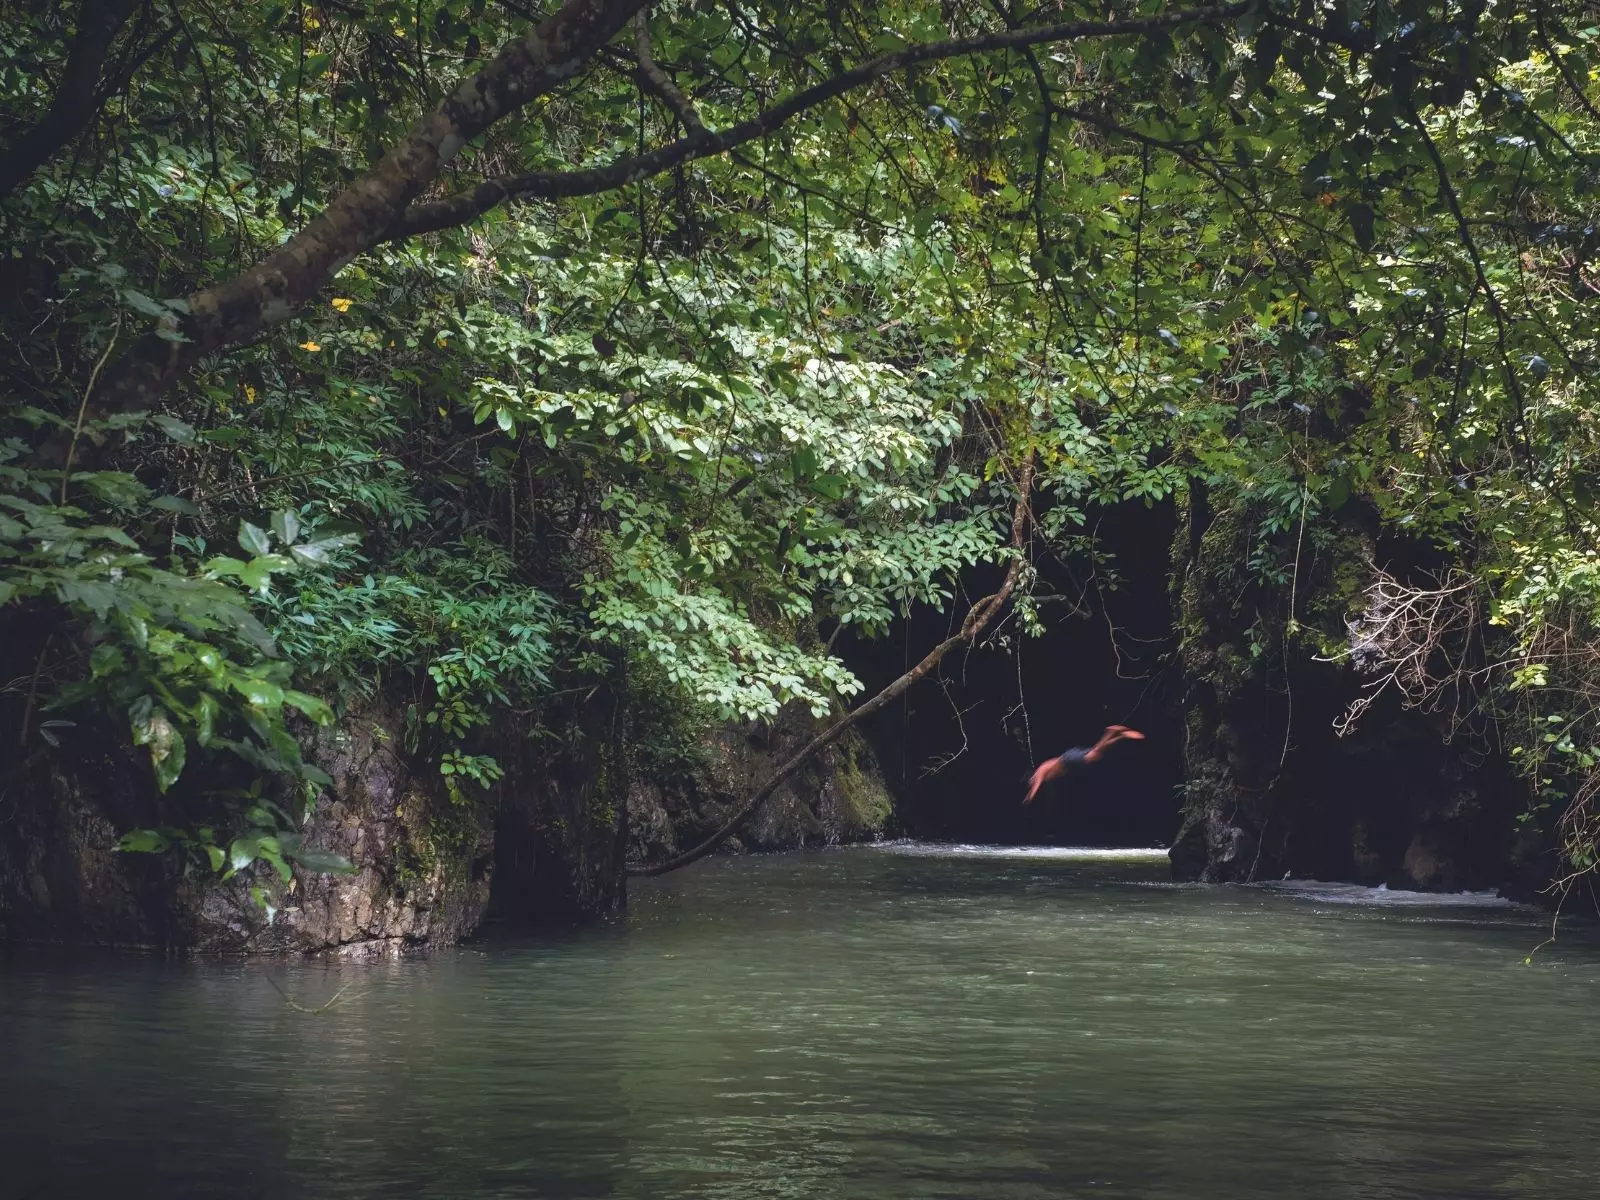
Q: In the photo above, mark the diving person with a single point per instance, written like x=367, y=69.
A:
x=1056, y=767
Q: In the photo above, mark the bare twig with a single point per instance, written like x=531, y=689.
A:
x=83, y=406
x=1411, y=639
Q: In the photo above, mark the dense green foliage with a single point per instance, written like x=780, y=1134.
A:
x=1335, y=261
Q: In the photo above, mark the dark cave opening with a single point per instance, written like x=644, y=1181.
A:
x=957, y=749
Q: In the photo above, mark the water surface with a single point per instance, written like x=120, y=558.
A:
x=896, y=1022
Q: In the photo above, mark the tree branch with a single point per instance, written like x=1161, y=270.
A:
x=1480, y=275
x=269, y=292
x=378, y=206
x=1573, y=84
x=701, y=143
x=77, y=96
x=658, y=80
x=977, y=620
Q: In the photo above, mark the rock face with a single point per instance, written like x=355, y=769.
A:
x=548, y=842
x=839, y=797
x=1270, y=788
x=421, y=878
x=423, y=862
x=61, y=878
x=561, y=821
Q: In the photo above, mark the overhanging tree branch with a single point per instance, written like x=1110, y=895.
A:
x=1480, y=275
x=978, y=618
x=703, y=143
x=658, y=80
x=378, y=206
x=76, y=97
x=266, y=294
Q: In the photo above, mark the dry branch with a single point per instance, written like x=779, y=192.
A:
x=978, y=618
x=1412, y=639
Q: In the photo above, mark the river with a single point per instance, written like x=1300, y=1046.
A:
x=891, y=1022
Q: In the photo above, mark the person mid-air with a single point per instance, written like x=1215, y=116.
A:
x=1056, y=767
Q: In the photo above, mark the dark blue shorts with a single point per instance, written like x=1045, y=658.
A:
x=1075, y=757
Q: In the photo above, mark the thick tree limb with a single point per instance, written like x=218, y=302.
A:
x=977, y=620
x=702, y=143
x=379, y=205
x=266, y=294
x=77, y=96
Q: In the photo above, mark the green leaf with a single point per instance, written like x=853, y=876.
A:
x=318, y=552
x=324, y=862
x=206, y=711
x=286, y=524
x=261, y=693
x=258, y=897
x=317, y=710
x=829, y=487
x=269, y=853
x=179, y=431
x=257, y=573
x=253, y=539
x=243, y=852
x=175, y=504
x=224, y=565
x=147, y=305
x=168, y=758
x=143, y=841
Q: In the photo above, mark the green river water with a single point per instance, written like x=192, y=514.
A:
x=890, y=1022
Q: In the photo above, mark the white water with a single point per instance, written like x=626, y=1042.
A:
x=1128, y=854
x=1383, y=897
x=1314, y=890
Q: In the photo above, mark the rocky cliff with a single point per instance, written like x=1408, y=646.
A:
x=839, y=797
x=421, y=872
x=1406, y=799
x=549, y=841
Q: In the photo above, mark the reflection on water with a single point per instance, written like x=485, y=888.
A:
x=898, y=1022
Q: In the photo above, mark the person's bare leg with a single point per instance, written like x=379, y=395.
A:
x=1113, y=734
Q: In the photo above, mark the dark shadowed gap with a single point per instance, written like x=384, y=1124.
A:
x=962, y=777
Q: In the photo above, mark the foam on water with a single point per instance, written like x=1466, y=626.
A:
x=1314, y=890
x=1131, y=854
x=1383, y=897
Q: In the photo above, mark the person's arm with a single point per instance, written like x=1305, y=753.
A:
x=1049, y=769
